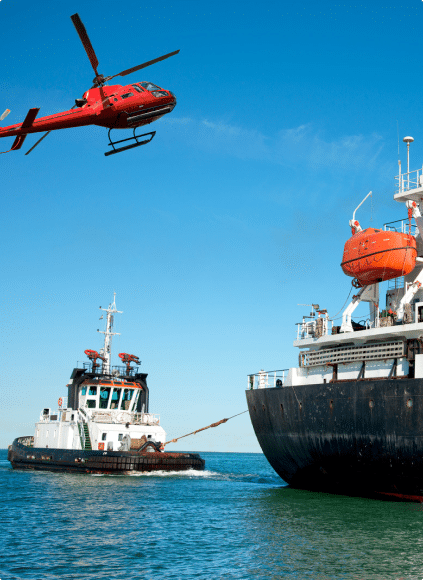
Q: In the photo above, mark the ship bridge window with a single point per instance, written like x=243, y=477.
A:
x=91, y=403
x=126, y=399
x=115, y=398
x=84, y=391
x=104, y=397
x=149, y=86
x=92, y=391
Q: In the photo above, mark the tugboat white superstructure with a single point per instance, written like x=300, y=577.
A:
x=104, y=424
x=348, y=418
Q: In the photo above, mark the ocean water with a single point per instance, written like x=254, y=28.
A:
x=236, y=520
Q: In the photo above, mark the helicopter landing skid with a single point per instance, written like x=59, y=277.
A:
x=135, y=137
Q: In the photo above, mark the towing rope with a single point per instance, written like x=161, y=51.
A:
x=203, y=428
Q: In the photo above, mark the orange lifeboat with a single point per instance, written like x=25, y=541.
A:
x=375, y=255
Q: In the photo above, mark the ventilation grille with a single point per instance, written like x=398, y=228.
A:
x=344, y=354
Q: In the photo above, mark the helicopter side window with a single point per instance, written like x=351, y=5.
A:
x=126, y=95
x=159, y=93
x=138, y=89
x=149, y=86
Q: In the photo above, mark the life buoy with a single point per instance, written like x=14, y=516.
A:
x=101, y=446
x=60, y=401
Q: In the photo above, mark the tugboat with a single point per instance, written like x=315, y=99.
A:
x=348, y=419
x=104, y=424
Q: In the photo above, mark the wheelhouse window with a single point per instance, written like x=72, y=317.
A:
x=115, y=398
x=91, y=403
x=126, y=399
x=92, y=391
x=104, y=397
x=126, y=95
x=149, y=86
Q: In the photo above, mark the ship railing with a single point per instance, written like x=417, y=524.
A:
x=121, y=371
x=267, y=379
x=401, y=226
x=125, y=417
x=314, y=328
x=409, y=180
x=116, y=371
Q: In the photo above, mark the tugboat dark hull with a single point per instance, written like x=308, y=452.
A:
x=23, y=456
x=361, y=438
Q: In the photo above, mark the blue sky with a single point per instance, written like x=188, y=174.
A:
x=236, y=212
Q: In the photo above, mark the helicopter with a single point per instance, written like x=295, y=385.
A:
x=114, y=107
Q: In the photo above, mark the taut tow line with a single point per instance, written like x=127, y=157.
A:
x=202, y=429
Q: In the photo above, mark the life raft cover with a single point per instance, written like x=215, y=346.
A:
x=375, y=255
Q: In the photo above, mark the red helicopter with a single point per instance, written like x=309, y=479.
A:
x=113, y=107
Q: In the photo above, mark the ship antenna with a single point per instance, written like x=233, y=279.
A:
x=408, y=140
x=108, y=334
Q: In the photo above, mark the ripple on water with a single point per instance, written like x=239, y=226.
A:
x=235, y=520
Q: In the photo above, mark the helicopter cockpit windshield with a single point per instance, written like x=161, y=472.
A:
x=149, y=86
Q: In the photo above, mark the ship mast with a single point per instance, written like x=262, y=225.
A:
x=108, y=334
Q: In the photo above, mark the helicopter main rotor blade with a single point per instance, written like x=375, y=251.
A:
x=83, y=35
x=140, y=66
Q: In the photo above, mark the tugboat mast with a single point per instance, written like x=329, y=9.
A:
x=108, y=334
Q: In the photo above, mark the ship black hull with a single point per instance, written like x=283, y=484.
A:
x=89, y=461
x=360, y=438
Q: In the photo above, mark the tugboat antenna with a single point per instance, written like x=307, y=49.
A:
x=108, y=334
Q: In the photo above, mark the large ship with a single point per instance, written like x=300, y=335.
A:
x=103, y=425
x=349, y=418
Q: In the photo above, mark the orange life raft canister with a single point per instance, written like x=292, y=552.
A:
x=375, y=255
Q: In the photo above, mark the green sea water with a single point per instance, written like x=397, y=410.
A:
x=236, y=520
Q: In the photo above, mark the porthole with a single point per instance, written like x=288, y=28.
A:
x=371, y=403
x=409, y=403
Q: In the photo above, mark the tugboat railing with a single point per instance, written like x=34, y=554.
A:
x=125, y=417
